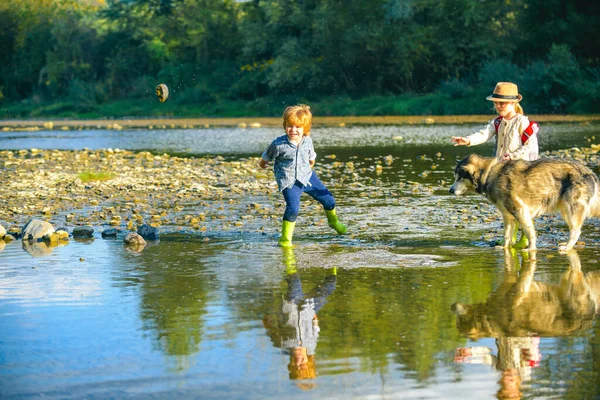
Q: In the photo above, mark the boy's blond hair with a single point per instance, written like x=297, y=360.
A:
x=298, y=115
x=305, y=371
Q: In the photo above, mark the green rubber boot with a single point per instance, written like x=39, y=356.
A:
x=334, y=223
x=514, y=238
x=289, y=259
x=522, y=243
x=287, y=231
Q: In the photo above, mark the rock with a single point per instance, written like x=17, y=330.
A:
x=162, y=92
x=111, y=232
x=35, y=229
x=15, y=231
x=148, y=232
x=2, y=231
x=9, y=238
x=63, y=233
x=134, y=242
x=51, y=239
x=85, y=231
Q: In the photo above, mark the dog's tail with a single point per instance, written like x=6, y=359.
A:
x=595, y=200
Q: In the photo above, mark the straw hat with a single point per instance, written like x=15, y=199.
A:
x=505, y=91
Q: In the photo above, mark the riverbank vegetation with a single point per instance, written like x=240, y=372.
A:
x=226, y=58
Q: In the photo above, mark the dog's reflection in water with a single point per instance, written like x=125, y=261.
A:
x=520, y=311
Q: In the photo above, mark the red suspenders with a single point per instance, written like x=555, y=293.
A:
x=531, y=130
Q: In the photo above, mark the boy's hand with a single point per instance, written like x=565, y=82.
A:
x=460, y=141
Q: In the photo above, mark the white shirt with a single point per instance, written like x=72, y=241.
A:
x=508, y=139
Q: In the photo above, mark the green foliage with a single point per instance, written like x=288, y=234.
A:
x=445, y=56
x=88, y=176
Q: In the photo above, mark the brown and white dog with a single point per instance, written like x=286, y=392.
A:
x=524, y=190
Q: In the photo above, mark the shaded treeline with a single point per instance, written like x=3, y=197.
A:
x=79, y=55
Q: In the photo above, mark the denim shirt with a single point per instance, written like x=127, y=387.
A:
x=291, y=162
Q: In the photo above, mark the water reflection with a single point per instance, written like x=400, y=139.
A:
x=173, y=301
x=41, y=249
x=521, y=311
x=293, y=325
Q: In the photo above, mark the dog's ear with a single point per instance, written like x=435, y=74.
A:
x=475, y=174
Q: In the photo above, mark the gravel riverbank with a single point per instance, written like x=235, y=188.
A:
x=180, y=194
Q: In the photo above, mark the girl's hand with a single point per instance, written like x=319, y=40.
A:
x=460, y=141
x=262, y=163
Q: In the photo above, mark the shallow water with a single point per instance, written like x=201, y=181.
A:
x=399, y=302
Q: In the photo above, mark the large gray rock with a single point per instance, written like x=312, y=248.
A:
x=36, y=229
x=148, y=232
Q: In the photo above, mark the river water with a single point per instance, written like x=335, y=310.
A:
x=415, y=303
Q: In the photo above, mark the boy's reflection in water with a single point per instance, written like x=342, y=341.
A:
x=297, y=322
x=521, y=310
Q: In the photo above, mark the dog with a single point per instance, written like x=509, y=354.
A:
x=524, y=190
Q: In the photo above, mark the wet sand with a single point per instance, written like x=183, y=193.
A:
x=195, y=123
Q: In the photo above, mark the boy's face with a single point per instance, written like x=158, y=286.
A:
x=294, y=133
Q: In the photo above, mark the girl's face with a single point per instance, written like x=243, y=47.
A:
x=294, y=133
x=505, y=108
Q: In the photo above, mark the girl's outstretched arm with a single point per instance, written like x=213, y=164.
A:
x=460, y=141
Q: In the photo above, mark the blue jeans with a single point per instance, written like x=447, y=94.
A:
x=316, y=190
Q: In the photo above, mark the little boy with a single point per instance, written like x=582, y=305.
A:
x=293, y=157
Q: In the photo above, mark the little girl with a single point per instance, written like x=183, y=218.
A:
x=293, y=155
x=516, y=136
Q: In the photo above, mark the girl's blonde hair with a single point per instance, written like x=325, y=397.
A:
x=519, y=109
x=298, y=115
